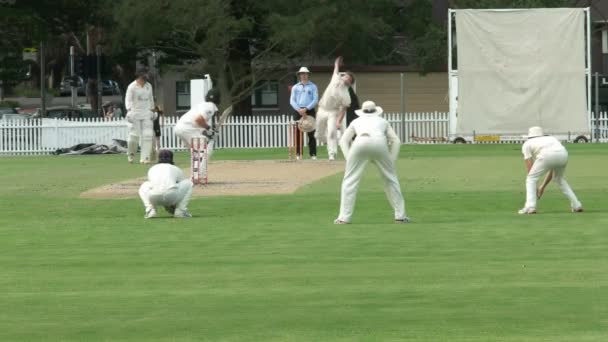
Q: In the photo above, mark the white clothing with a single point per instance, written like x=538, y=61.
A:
x=377, y=142
x=166, y=186
x=548, y=154
x=326, y=130
x=141, y=133
x=535, y=147
x=335, y=99
x=335, y=96
x=139, y=101
x=186, y=127
x=205, y=109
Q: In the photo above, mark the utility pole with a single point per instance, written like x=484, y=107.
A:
x=42, y=81
x=99, y=83
x=73, y=77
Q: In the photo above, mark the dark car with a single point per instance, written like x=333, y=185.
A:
x=65, y=89
x=64, y=112
x=110, y=87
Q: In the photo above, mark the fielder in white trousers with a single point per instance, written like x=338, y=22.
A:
x=167, y=187
x=139, y=101
x=375, y=142
x=545, y=155
x=332, y=105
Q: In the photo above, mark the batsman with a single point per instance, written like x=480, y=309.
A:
x=199, y=121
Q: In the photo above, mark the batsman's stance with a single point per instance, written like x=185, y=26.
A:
x=377, y=142
x=199, y=121
x=543, y=153
x=167, y=186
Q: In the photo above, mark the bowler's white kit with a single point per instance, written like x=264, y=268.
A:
x=186, y=127
x=166, y=186
x=376, y=142
x=334, y=100
x=139, y=102
x=548, y=154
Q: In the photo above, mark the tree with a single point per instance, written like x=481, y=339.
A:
x=236, y=42
x=508, y=3
x=57, y=23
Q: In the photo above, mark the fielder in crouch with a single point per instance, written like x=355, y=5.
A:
x=332, y=106
x=139, y=102
x=544, y=154
x=167, y=186
x=377, y=142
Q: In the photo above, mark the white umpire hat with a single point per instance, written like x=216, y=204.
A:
x=303, y=70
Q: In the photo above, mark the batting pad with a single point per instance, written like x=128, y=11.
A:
x=521, y=68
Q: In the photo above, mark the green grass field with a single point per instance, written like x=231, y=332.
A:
x=275, y=268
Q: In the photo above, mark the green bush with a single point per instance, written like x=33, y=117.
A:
x=12, y=104
x=22, y=90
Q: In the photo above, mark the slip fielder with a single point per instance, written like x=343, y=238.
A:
x=377, y=142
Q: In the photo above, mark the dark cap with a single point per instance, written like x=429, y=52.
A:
x=165, y=156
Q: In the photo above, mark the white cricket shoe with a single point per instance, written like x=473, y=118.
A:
x=527, y=211
x=130, y=158
x=577, y=210
x=338, y=221
x=403, y=220
x=182, y=214
x=150, y=213
x=332, y=156
x=313, y=157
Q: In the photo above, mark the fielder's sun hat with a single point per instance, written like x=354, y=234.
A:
x=165, y=156
x=303, y=70
x=369, y=108
x=534, y=132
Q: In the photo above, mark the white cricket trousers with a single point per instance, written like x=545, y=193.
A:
x=186, y=134
x=326, y=130
x=178, y=196
x=141, y=130
x=552, y=160
x=365, y=149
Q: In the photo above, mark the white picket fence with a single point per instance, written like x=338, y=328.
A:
x=44, y=136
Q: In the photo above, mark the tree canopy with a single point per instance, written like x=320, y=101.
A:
x=238, y=41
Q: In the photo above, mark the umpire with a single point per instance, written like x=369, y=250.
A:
x=304, y=98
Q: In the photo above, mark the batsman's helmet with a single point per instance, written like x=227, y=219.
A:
x=165, y=156
x=213, y=95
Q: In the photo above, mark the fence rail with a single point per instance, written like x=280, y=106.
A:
x=44, y=136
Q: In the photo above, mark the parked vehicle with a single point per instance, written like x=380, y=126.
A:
x=64, y=112
x=65, y=89
x=7, y=110
x=110, y=87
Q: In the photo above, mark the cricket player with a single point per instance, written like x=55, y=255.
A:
x=332, y=105
x=542, y=154
x=139, y=101
x=377, y=142
x=167, y=186
x=198, y=121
